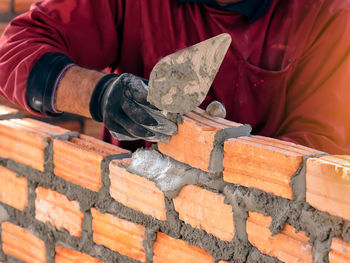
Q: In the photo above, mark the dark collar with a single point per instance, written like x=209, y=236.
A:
x=252, y=9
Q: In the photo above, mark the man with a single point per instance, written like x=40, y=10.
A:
x=286, y=73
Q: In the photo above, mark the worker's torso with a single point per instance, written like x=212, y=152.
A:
x=254, y=78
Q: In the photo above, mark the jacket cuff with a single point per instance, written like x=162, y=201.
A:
x=97, y=96
x=43, y=81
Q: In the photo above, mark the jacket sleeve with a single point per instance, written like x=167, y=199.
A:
x=318, y=109
x=84, y=32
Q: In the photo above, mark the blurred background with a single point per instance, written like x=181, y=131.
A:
x=10, y=9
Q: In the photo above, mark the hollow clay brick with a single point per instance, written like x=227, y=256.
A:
x=287, y=246
x=79, y=160
x=2, y=29
x=56, y=209
x=70, y=125
x=65, y=255
x=4, y=110
x=205, y=210
x=263, y=163
x=24, y=140
x=119, y=235
x=5, y=6
x=135, y=191
x=23, y=5
x=13, y=190
x=194, y=141
x=20, y=243
x=327, y=184
x=340, y=251
x=171, y=250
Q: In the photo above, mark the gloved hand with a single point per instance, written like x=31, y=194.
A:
x=121, y=103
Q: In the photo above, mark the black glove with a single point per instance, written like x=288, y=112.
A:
x=121, y=103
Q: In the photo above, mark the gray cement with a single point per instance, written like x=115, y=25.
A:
x=168, y=174
x=298, y=181
x=216, y=109
x=216, y=166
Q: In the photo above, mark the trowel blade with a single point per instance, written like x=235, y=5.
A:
x=180, y=82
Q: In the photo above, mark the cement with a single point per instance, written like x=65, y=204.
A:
x=298, y=181
x=4, y=216
x=11, y=116
x=167, y=91
x=169, y=175
x=217, y=155
x=216, y=109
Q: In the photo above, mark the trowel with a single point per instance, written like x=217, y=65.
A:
x=180, y=81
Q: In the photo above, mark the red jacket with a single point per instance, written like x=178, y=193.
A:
x=287, y=74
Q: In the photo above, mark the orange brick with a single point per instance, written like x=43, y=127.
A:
x=171, y=250
x=79, y=160
x=13, y=190
x=70, y=125
x=287, y=246
x=205, y=210
x=119, y=235
x=136, y=192
x=327, y=184
x=56, y=209
x=263, y=163
x=92, y=128
x=194, y=141
x=20, y=243
x=340, y=251
x=5, y=6
x=23, y=5
x=24, y=140
x=65, y=255
x=4, y=110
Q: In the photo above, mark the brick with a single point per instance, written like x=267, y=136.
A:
x=136, y=192
x=13, y=190
x=92, y=128
x=119, y=235
x=205, y=210
x=5, y=6
x=194, y=141
x=340, y=251
x=171, y=250
x=4, y=110
x=20, y=243
x=287, y=246
x=79, y=160
x=263, y=163
x=24, y=140
x=23, y=5
x=56, y=209
x=70, y=125
x=65, y=255
x=327, y=184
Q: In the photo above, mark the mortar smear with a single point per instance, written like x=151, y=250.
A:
x=170, y=175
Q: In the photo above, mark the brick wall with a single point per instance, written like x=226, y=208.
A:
x=214, y=193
